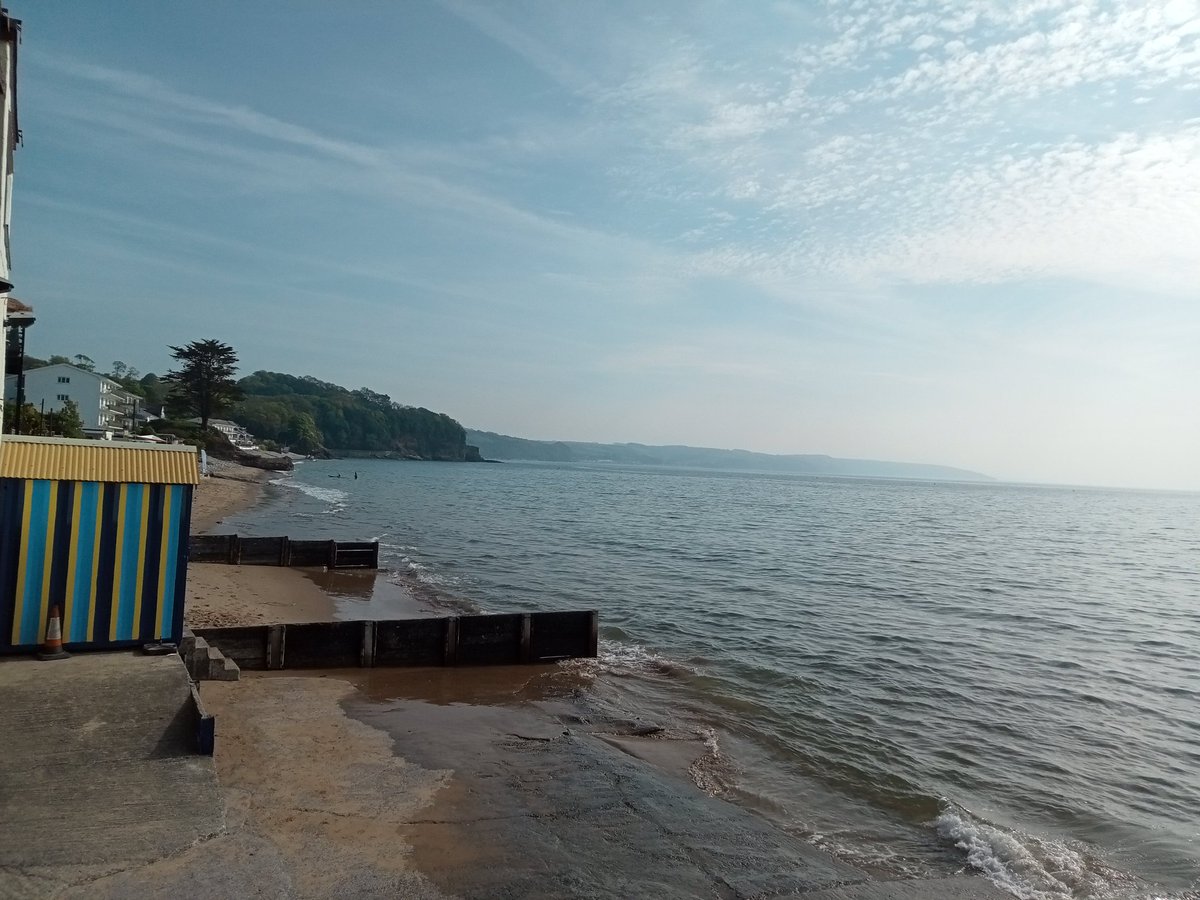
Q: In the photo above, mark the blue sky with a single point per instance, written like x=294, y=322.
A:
x=955, y=232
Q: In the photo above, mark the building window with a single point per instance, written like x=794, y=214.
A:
x=63, y=397
x=64, y=379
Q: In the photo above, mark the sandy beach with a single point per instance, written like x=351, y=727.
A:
x=228, y=489
x=222, y=595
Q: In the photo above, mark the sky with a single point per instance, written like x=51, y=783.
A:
x=955, y=232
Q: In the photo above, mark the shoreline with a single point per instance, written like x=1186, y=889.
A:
x=467, y=782
x=229, y=488
x=224, y=595
x=475, y=783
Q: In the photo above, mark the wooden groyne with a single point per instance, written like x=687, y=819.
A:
x=235, y=550
x=483, y=640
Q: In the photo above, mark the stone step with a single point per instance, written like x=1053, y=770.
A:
x=227, y=671
x=197, y=659
x=205, y=662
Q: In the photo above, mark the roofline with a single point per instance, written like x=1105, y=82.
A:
x=99, y=375
x=109, y=462
x=84, y=442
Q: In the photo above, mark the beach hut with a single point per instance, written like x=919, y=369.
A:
x=98, y=529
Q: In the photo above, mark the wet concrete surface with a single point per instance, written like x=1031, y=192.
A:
x=542, y=804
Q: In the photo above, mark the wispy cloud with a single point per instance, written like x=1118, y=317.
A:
x=523, y=43
x=941, y=142
x=294, y=158
x=891, y=214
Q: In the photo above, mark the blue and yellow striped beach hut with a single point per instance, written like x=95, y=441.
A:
x=99, y=529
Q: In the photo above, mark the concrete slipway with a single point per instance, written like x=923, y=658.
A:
x=98, y=769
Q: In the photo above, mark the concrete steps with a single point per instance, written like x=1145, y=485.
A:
x=205, y=662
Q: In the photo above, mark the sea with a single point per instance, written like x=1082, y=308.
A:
x=921, y=677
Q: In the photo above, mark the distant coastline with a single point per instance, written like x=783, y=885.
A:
x=505, y=447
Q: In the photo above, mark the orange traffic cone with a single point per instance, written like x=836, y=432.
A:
x=53, y=648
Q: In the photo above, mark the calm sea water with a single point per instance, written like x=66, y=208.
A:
x=921, y=677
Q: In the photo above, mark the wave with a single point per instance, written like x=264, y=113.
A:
x=427, y=576
x=1034, y=868
x=713, y=772
x=868, y=854
x=621, y=659
x=335, y=498
x=437, y=591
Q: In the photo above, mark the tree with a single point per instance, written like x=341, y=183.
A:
x=153, y=389
x=302, y=433
x=85, y=362
x=204, y=383
x=66, y=422
x=31, y=419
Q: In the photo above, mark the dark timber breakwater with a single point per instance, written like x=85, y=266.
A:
x=235, y=550
x=483, y=640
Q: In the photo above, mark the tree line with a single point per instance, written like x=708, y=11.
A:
x=301, y=413
x=310, y=415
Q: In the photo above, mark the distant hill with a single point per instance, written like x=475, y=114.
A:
x=504, y=447
x=310, y=416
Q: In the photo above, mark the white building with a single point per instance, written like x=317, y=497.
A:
x=104, y=406
x=10, y=135
x=238, y=436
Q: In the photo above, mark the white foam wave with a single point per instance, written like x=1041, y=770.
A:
x=624, y=659
x=332, y=496
x=713, y=772
x=1030, y=867
x=426, y=575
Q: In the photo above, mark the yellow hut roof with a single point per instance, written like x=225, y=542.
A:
x=65, y=459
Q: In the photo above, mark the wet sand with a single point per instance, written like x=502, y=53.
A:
x=547, y=799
